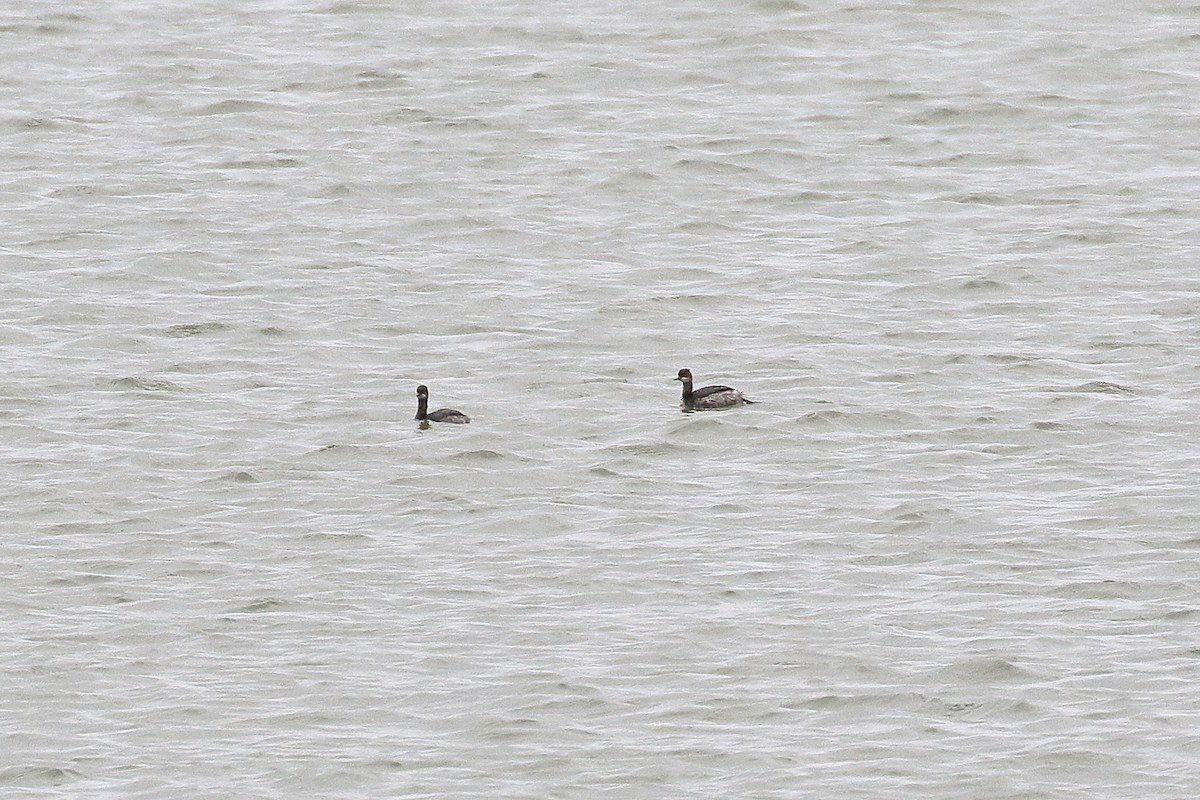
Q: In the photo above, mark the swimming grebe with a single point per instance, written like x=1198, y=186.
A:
x=441, y=415
x=707, y=396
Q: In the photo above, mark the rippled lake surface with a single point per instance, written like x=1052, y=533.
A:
x=951, y=250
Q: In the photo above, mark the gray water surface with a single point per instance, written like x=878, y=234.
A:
x=949, y=248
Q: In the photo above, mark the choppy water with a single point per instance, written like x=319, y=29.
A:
x=950, y=248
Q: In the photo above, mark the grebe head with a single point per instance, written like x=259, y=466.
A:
x=422, y=391
x=684, y=375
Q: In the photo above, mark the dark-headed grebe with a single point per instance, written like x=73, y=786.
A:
x=707, y=396
x=441, y=415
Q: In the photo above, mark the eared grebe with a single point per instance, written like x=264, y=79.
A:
x=707, y=396
x=441, y=415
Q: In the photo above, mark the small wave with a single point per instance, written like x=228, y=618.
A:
x=144, y=384
x=27, y=775
x=266, y=162
x=704, y=226
x=194, y=329
x=380, y=79
x=825, y=416
x=784, y=6
x=1010, y=358
x=984, y=284
x=1098, y=590
x=336, y=449
x=44, y=124
x=984, y=670
x=263, y=606
x=77, y=190
x=237, y=476
x=1101, y=387
x=990, y=709
x=604, y=472
x=708, y=166
x=233, y=107
x=643, y=449
x=980, y=199
x=478, y=455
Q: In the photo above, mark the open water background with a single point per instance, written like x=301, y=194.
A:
x=950, y=247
